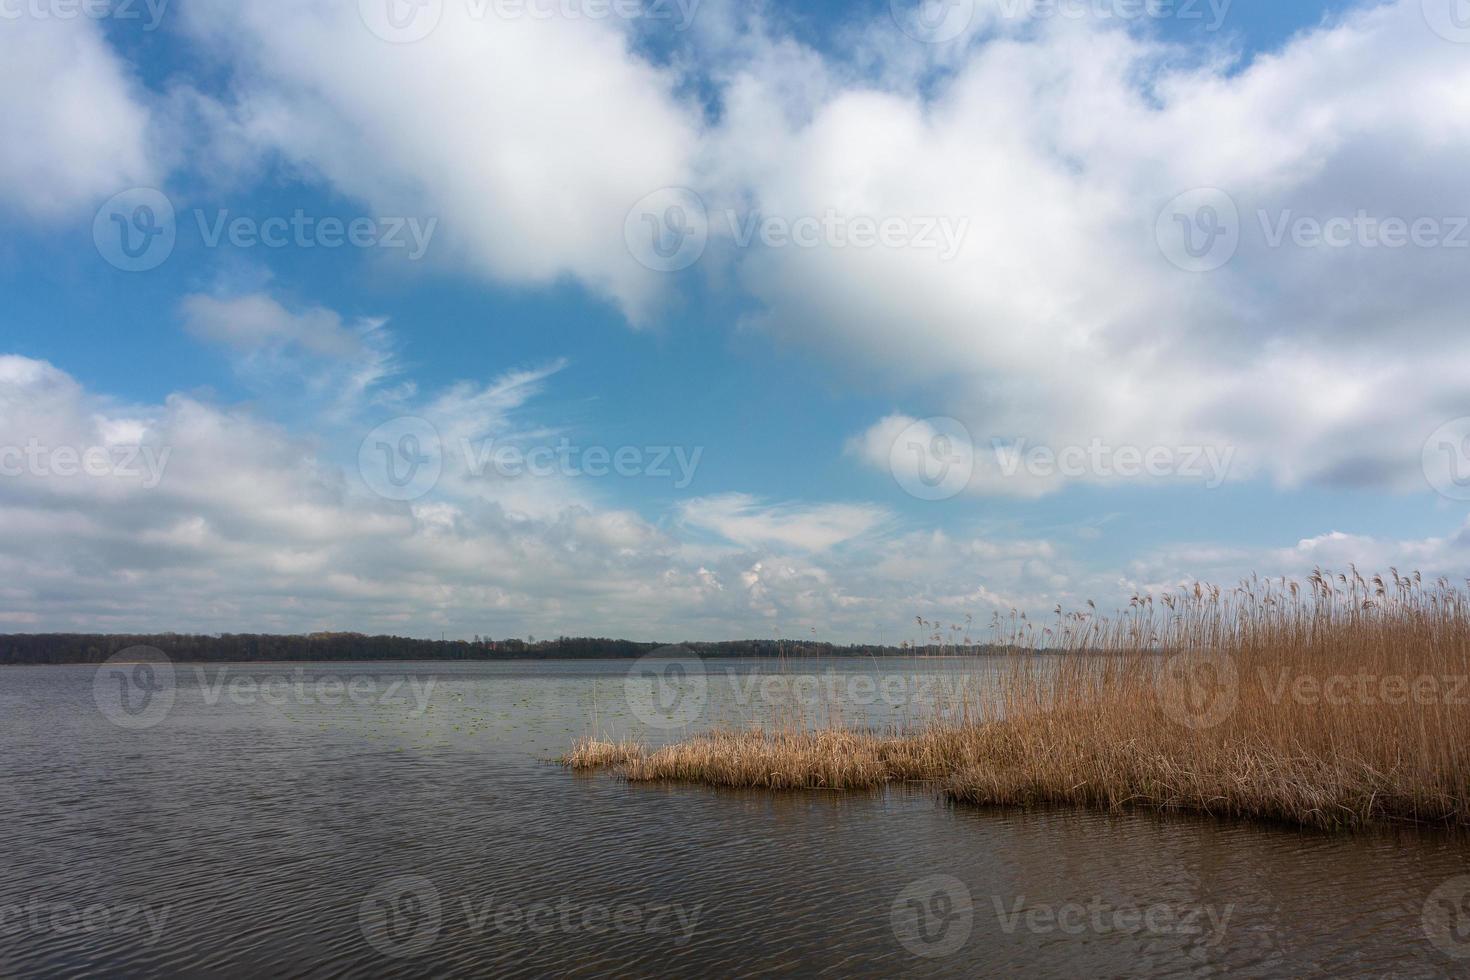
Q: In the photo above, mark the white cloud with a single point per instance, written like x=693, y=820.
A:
x=1054, y=145
x=257, y=527
x=255, y=322
x=1176, y=565
x=309, y=358
x=74, y=127
x=746, y=521
x=1062, y=321
x=1059, y=321
x=529, y=138
x=253, y=526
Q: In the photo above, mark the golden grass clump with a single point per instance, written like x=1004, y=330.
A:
x=592, y=753
x=832, y=759
x=1342, y=704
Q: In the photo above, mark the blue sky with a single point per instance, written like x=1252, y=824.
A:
x=1061, y=146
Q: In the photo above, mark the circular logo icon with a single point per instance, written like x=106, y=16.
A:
x=933, y=459
x=402, y=459
x=1446, y=459
x=136, y=230
x=1450, y=19
x=401, y=917
x=401, y=21
x=1199, y=231
x=933, y=21
x=1447, y=918
x=933, y=917
x=667, y=688
x=135, y=688
x=667, y=231
x=1198, y=692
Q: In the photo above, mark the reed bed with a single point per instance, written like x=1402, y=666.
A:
x=1340, y=702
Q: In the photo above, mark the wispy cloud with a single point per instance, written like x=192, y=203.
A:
x=746, y=521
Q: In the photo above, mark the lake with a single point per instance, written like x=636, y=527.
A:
x=408, y=819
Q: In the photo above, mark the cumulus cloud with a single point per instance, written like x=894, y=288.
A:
x=1056, y=308
x=254, y=526
x=247, y=524
x=1070, y=313
x=1178, y=565
x=74, y=125
x=991, y=215
x=532, y=182
x=193, y=515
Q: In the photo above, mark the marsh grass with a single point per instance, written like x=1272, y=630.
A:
x=593, y=753
x=1340, y=703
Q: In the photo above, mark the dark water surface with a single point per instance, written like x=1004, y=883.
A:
x=421, y=830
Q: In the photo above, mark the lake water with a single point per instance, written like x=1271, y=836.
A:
x=406, y=819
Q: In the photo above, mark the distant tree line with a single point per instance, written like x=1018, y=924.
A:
x=85, y=648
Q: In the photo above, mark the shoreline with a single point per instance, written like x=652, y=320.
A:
x=985, y=655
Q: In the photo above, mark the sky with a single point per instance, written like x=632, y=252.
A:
x=694, y=319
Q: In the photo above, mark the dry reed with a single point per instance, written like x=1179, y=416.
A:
x=1341, y=704
x=591, y=753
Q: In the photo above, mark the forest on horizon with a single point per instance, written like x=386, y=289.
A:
x=86, y=648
